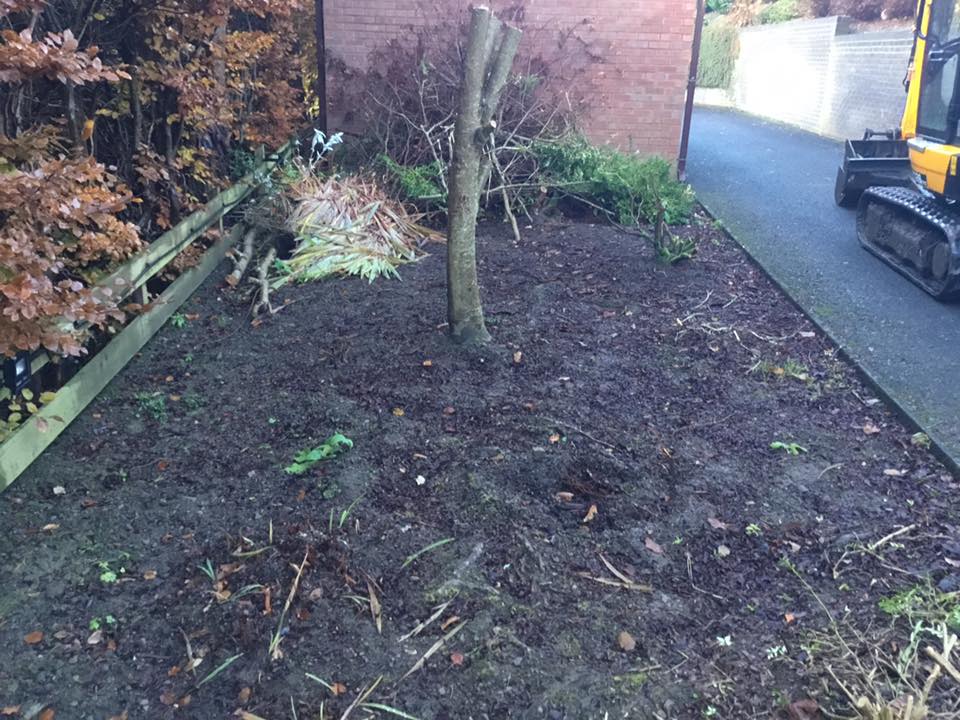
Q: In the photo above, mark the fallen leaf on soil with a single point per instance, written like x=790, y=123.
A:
x=449, y=410
x=111, y=645
x=564, y=497
x=50, y=527
x=870, y=429
x=518, y=357
x=59, y=490
x=315, y=594
x=449, y=621
x=34, y=637
x=168, y=697
x=789, y=618
x=302, y=495
x=591, y=514
x=530, y=406
x=150, y=575
x=457, y=658
x=723, y=551
x=626, y=642
x=95, y=637
x=428, y=363
x=174, y=398
x=717, y=524
x=88, y=503
x=244, y=695
x=653, y=546
x=891, y=472
x=244, y=715
x=303, y=614
x=338, y=688
x=162, y=465
x=554, y=439
x=804, y=710
x=174, y=671
x=47, y=714
x=121, y=716
x=184, y=701
x=398, y=412
x=10, y=710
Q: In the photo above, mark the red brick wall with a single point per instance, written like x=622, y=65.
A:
x=637, y=94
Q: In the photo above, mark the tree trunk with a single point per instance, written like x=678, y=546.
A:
x=491, y=48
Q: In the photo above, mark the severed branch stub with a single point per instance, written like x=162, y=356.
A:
x=491, y=49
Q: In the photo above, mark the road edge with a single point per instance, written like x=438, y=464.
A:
x=951, y=461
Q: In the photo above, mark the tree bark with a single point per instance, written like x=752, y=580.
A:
x=491, y=48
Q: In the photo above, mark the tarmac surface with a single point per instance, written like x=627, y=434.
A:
x=772, y=188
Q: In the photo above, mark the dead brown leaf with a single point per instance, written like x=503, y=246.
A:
x=555, y=438
x=339, y=688
x=50, y=527
x=244, y=715
x=47, y=714
x=457, y=658
x=870, y=429
x=399, y=412
x=87, y=503
x=653, y=546
x=95, y=637
x=717, y=524
x=591, y=514
x=563, y=497
x=150, y=575
x=449, y=621
x=10, y=710
x=804, y=710
x=449, y=410
x=626, y=642
x=789, y=618
x=33, y=638
x=121, y=716
x=168, y=697
x=244, y=695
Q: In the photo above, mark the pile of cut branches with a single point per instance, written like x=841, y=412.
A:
x=348, y=226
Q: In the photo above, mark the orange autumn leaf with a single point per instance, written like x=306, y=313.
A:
x=33, y=638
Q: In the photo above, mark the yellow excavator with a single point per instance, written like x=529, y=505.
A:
x=904, y=182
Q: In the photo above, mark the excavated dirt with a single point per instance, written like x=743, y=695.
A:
x=621, y=422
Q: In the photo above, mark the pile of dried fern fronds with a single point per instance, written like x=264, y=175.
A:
x=348, y=226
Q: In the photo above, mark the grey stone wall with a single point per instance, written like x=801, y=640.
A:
x=817, y=75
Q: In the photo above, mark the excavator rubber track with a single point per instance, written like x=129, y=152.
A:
x=916, y=235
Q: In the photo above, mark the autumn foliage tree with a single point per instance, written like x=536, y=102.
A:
x=118, y=117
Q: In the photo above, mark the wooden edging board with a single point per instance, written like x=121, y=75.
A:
x=42, y=428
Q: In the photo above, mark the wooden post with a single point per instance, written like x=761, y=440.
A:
x=491, y=48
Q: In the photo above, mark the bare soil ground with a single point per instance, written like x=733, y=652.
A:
x=616, y=516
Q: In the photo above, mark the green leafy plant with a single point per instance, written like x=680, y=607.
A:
x=779, y=11
x=21, y=407
x=178, y=320
x=97, y=623
x=625, y=187
x=924, y=603
x=206, y=567
x=789, y=448
x=754, y=530
x=420, y=184
x=108, y=574
x=333, y=446
x=154, y=404
x=344, y=514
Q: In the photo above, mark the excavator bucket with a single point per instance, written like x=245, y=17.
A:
x=871, y=162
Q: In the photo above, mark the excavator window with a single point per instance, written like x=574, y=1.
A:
x=939, y=110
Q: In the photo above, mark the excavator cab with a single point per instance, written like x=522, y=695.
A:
x=905, y=182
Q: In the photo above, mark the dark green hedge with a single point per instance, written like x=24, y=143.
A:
x=718, y=54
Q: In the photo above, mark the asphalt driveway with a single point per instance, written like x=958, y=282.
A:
x=772, y=187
